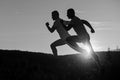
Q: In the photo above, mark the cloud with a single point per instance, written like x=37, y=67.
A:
x=79, y=12
x=97, y=24
x=102, y=25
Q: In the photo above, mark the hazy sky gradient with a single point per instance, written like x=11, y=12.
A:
x=22, y=23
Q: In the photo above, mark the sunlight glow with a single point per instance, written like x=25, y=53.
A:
x=87, y=48
x=87, y=54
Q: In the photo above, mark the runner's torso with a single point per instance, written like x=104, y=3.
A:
x=60, y=29
x=79, y=27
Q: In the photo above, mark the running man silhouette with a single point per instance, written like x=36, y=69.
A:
x=58, y=26
x=82, y=34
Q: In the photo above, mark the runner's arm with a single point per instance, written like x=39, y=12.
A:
x=89, y=25
x=50, y=29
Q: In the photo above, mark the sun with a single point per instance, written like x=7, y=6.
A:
x=87, y=48
x=87, y=53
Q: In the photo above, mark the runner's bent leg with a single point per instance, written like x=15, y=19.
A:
x=72, y=40
x=55, y=44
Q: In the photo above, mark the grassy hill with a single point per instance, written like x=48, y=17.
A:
x=23, y=65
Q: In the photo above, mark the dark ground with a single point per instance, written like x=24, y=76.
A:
x=23, y=65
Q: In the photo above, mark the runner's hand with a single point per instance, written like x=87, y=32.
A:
x=92, y=31
x=47, y=24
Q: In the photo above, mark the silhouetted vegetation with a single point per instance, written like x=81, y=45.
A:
x=23, y=65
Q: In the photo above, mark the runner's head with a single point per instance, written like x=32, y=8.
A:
x=70, y=13
x=55, y=15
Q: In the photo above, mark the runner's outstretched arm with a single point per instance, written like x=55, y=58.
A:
x=89, y=25
x=50, y=29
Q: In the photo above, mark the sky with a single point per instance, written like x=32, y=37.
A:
x=22, y=23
